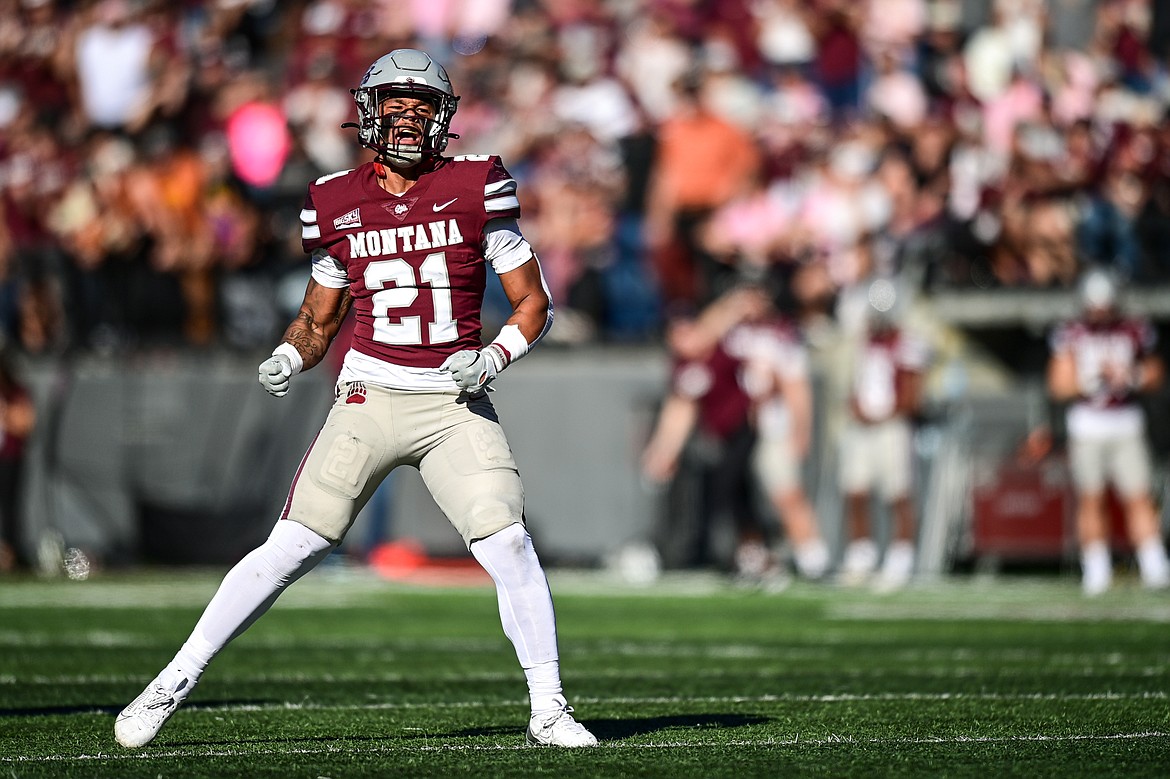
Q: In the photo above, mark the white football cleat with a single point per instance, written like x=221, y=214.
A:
x=898, y=567
x=859, y=563
x=812, y=559
x=557, y=728
x=141, y=721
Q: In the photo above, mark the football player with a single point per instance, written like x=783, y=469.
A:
x=886, y=379
x=777, y=368
x=733, y=365
x=1099, y=365
x=404, y=241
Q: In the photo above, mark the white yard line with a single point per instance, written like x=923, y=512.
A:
x=672, y=700
x=942, y=672
x=350, y=749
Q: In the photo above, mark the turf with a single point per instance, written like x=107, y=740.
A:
x=352, y=675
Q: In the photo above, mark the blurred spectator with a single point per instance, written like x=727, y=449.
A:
x=112, y=62
x=838, y=64
x=1107, y=234
x=1100, y=365
x=895, y=93
x=1033, y=133
x=651, y=60
x=1037, y=244
x=703, y=161
x=577, y=184
x=316, y=109
x=1153, y=223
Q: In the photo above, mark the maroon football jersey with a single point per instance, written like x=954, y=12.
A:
x=1121, y=342
x=714, y=383
x=414, y=262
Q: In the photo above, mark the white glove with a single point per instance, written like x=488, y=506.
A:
x=472, y=370
x=275, y=373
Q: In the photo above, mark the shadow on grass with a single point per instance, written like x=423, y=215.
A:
x=605, y=730
x=614, y=729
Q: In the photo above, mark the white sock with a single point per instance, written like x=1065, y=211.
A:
x=247, y=591
x=1153, y=564
x=1096, y=567
x=544, y=686
x=526, y=610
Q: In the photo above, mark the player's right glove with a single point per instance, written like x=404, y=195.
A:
x=275, y=373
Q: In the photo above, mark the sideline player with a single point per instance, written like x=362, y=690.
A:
x=875, y=447
x=782, y=389
x=1099, y=365
x=404, y=241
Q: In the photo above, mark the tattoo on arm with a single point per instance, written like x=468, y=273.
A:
x=318, y=321
x=343, y=309
x=300, y=334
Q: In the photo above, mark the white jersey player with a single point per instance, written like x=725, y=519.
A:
x=875, y=447
x=1099, y=365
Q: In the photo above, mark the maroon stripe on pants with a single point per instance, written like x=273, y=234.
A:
x=296, y=478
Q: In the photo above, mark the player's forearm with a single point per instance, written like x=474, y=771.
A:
x=1061, y=389
x=532, y=316
x=308, y=339
x=316, y=324
x=675, y=423
x=1149, y=375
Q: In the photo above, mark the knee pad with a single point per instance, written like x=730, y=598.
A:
x=292, y=549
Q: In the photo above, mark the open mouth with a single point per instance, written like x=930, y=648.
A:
x=406, y=132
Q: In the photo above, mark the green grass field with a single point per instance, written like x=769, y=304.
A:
x=352, y=675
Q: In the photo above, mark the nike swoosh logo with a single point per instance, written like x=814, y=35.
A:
x=441, y=206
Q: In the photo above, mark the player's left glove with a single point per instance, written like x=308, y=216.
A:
x=473, y=370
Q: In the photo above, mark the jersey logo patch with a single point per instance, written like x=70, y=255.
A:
x=441, y=206
x=357, y=393
x=352, y=219
x=400, y=208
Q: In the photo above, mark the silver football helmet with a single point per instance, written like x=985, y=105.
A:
x=408, y=73
x=1099, y=290
x=885, y=304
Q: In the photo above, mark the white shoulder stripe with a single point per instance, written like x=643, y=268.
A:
x=328, y=176
x=308, y=216
x=309, y=232
x=502, y=203
x=500, y=187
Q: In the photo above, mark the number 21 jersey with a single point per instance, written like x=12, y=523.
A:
x=414, y=263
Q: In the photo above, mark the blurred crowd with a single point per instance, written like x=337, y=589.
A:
x=154, y=155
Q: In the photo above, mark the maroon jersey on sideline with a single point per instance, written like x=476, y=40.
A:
x=1121, y=342
x=414, y=262
x=715, y=384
